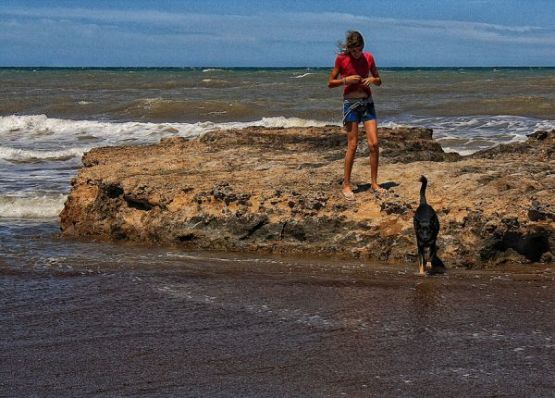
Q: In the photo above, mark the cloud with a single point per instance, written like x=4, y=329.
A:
x=287, y=37
x=285, y=24
x=477, y=31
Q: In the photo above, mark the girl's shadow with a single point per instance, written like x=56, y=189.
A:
x=366, y=187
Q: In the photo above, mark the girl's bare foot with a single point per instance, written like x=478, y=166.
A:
x=348, y=193
x=376, y=188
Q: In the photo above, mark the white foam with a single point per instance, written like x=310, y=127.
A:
x=493, y=129
x=40, y=137
x=47, y=206
x=301, y=76
x=40, y=131
x=517, y=138
x=462, y=152
x=465, y=126
x=23, y=155
x=286, y=122
x=393, y=125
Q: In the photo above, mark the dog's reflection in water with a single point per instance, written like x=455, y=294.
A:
x=428, y=306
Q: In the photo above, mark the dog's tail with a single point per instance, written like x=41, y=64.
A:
x=424, y=182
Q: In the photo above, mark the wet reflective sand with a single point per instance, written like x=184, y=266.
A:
x=152, y=322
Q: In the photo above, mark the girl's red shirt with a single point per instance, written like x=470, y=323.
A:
x=348, y=66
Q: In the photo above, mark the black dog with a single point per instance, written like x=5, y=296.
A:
x=426, y=226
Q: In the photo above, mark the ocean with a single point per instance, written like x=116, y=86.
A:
x=113, y=319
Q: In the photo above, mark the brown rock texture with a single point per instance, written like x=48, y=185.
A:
x=279, y=190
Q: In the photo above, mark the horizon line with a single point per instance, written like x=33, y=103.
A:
x=270, y=67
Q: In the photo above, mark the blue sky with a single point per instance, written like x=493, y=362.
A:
x=275, y=33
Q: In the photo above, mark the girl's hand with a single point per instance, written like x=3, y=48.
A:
x=370, y=80
x=353, y=79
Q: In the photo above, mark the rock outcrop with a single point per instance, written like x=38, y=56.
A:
x=279, y=190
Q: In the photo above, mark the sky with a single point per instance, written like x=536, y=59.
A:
x=271, y=33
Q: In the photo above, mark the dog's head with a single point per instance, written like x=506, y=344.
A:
x=426, y=230
x=426, y=226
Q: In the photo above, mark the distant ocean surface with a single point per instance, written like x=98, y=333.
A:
x=50, y=117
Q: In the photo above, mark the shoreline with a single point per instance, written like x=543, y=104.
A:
x=160, y=255
x=161, y=259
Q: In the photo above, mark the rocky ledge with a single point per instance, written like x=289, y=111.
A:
x=279, y=191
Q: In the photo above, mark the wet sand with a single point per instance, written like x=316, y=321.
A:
x=198, y=325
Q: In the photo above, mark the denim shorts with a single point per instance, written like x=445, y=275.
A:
x=358, y=110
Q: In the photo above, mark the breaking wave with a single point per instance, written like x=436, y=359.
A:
x=40, y=130
x=45, y=206
x=23, y=155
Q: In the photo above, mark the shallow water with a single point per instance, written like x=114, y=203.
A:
x=84, y=318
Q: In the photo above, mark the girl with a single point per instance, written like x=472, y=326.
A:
x=358, y=71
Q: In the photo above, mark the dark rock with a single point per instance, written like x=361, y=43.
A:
x=394, y=207
x=540, y=212
x=531, y=246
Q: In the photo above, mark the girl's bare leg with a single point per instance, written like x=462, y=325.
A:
x=352, y=142
x=371, y=127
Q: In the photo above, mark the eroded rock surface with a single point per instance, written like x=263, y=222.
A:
x=279, y=190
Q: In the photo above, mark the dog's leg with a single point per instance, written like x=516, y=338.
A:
x=437, y=265
x=421, y=261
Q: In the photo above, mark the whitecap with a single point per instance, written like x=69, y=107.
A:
x=301, y=76
x=24, y=155
x=499, y=129
x=28, y=132
x=285, y=122
x=46, y=206
x=462, y=152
